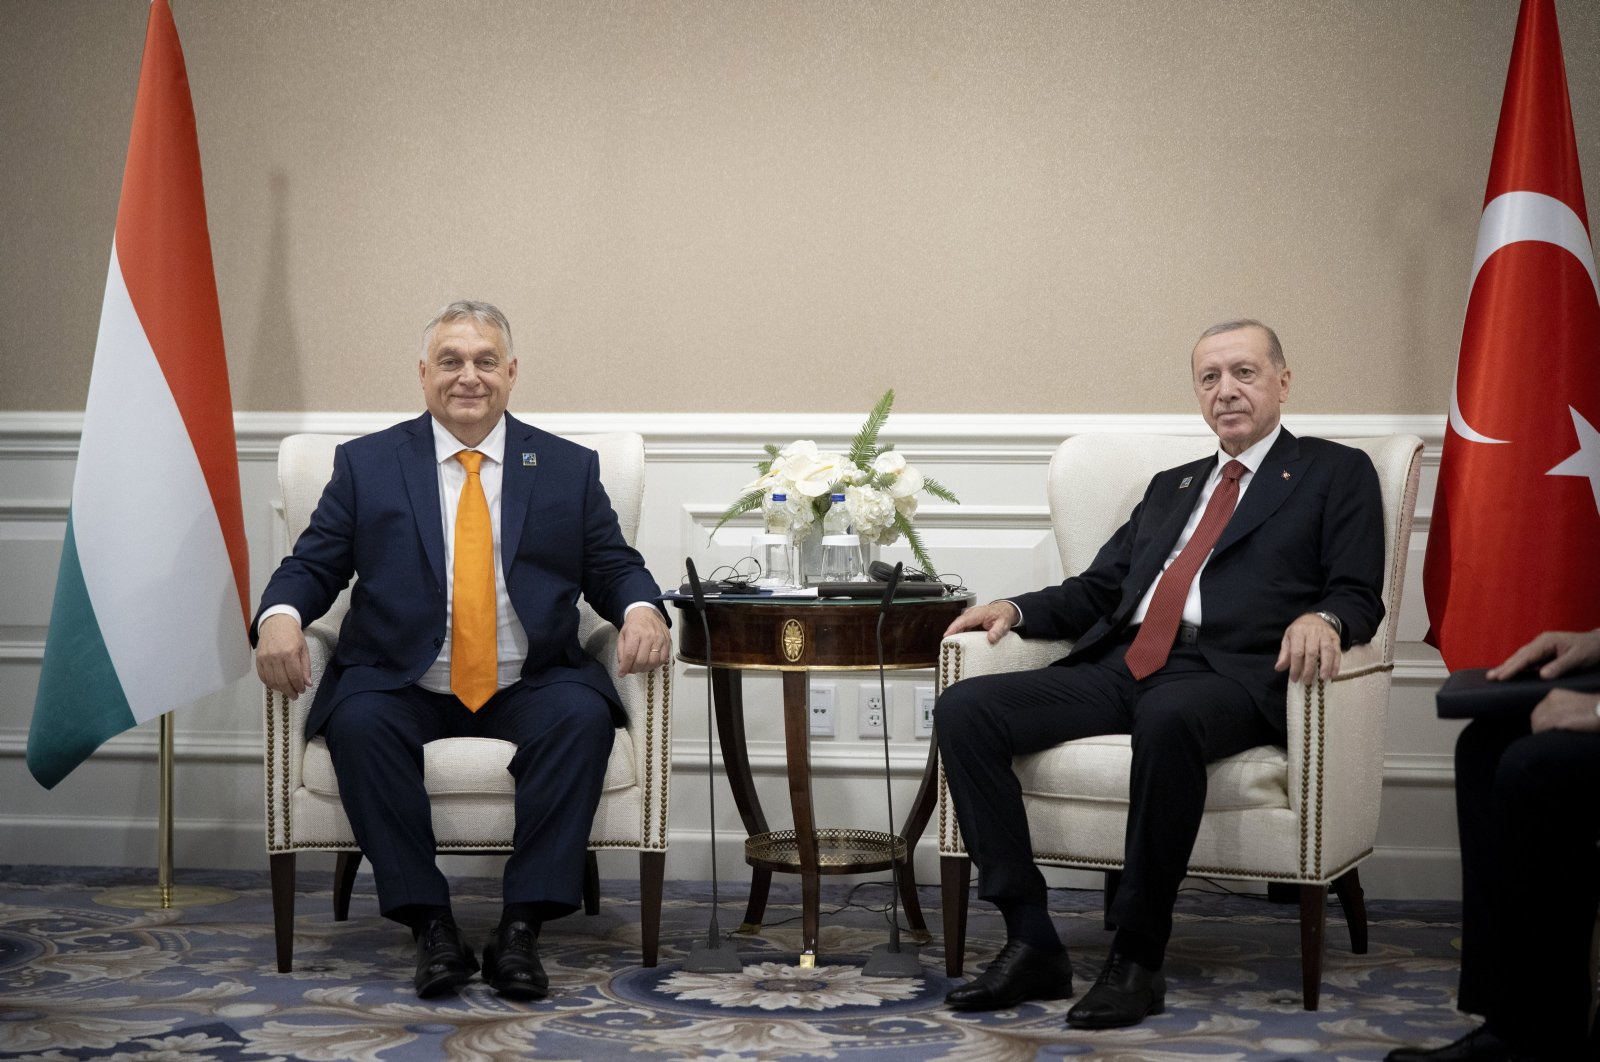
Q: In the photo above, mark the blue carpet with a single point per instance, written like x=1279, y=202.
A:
x=81, y=980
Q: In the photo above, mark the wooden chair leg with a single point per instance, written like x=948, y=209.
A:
x=591, y=885
x=955, y=878
x=1313, y=920
x=282, y=864
x=344, y=883
x=652, y=871
x=1113, y=883
x=1353, y=901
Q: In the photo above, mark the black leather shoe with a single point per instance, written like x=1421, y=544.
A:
x=1019, y=973
x=1124, y=994
x=1479, y=1045
x=511, y=963
x=444, y=962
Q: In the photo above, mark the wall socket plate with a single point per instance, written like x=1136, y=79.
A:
x=872, y=717
x=924, y=711
x=820, y=700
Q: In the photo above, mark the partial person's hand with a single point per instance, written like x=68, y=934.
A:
x=997, y=617
x=282, y=661
x=1566, y=710
x=644, y=642
x=1310, y=650
x=1563, y=651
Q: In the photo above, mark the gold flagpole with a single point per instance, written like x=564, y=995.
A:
x=164, y=895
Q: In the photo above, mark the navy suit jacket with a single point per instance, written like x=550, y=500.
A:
x=379, y=520
x=1307, y=537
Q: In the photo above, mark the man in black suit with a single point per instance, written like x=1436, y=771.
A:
x=1528, y=807
x=1233, y=574
x=472, y=535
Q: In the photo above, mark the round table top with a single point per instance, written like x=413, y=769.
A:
x=776, y=633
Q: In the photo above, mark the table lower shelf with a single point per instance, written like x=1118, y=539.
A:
x=839, y=851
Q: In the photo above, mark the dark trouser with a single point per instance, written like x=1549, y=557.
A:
x=563, y=735
x=1529, y=812
x=1181, y=718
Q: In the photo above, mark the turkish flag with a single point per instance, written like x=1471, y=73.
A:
x=1514, y=545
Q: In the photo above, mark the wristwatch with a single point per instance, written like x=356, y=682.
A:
x=1333, y=621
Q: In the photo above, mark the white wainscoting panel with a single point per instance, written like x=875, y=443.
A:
x=997, y=542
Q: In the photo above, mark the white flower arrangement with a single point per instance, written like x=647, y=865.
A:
x=880, y=488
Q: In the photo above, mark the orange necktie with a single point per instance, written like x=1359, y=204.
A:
x=474, y=667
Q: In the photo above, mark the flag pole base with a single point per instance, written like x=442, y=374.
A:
x=161, y=898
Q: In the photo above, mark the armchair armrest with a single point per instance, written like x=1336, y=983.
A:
x=647, y=701
x=284, y=722
x=969, y=653
x=1334, y=748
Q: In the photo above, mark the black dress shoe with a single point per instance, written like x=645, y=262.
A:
x=1019, y=973
x=1124, y=994
x=1479, y=1045
x=444, y=962
x=511, y=963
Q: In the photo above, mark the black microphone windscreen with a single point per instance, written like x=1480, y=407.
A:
x=888, y=590
x=694, y=584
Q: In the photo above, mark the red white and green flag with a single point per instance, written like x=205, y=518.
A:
x=1516, y=517
x=150, y=613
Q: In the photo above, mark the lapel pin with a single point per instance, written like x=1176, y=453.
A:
x=532, y=460
x=1186, y=481
x=1286, y=473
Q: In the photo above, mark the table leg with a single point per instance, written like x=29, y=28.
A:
x=916, y=822
x=797, y=743
x=727, y=694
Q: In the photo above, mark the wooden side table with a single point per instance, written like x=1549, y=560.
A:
x=796, y=636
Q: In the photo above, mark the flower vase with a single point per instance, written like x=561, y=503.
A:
x=808, y=560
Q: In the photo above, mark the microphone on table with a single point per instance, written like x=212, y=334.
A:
x=892, y=959
x=710, y=955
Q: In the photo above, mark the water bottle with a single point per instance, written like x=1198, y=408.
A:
x=775, y=511
x=837, y=520
x=839, y=547
x=772, y=549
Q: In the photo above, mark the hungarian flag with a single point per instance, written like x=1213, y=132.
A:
x=1514, y=546
x=150, y=612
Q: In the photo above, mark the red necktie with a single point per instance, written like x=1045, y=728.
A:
x=1154, y=641
x=474, y=673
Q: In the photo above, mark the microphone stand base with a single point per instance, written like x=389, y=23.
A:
x=708, y=957
x=887, y=961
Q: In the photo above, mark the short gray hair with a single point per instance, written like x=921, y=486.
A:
x=1274, y=348
x=485, y=313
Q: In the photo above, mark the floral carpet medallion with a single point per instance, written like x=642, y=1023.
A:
x=80, y=980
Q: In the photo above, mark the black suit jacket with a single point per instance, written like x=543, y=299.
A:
x=1307, y=537
x=379, y=520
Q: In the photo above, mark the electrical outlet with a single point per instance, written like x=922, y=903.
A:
x=924, y=713
x=820, y=700
x=871, y=719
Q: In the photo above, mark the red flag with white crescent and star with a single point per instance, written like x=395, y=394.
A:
x=1513, y=544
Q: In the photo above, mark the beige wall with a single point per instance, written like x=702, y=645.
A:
x=994, y=207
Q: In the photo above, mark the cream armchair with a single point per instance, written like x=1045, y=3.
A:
x=466, y=778
x=1305, y=816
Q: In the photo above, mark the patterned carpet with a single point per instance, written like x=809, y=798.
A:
x=82, y=980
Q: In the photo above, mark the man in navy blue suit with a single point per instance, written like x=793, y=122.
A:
x=1256, y=565
x=388, y=517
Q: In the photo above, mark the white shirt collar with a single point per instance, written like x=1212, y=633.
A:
x=446, y=446
x=1251, y=459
